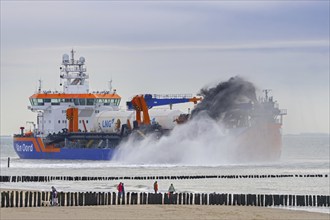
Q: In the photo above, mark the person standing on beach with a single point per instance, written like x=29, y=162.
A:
x=120, y=189
x=156, y=187
x=54, y=196
x=171, y=189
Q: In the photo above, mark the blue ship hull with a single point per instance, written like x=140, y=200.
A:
x=33, y=148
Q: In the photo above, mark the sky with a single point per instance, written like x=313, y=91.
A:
x=170, y=47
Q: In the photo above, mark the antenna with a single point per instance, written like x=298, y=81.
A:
x=110, y=85
x=39, y=87
x=72, y=56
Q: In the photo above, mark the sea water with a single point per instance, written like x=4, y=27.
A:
x=301, y=155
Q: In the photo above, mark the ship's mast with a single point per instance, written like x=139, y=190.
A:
x=266, y=91
x=74, y=72
x=39, y=87
x=110, y=85
x=72, y=56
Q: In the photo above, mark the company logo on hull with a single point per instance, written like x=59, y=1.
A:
x=108, y=123
x=23, y=147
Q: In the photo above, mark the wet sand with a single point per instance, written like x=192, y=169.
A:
x=157, y=212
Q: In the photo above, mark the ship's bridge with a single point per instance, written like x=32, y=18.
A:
x=90, y=99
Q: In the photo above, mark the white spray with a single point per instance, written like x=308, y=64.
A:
x=200, y=141
x=203, y=140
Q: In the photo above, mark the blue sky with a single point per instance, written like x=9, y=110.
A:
x=170, y=47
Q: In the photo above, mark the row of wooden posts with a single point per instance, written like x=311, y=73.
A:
x=89, y=178
x=42, y=198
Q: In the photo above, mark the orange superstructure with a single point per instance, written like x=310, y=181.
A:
x=70, y=96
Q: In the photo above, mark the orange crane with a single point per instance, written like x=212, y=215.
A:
x=142, y=103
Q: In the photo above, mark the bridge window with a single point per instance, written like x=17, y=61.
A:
x=117, y=102
x=76, y=101
x=108, y=101
x=34, y=101
x=55, y=101
x=90, y=101
x=101, y=101
x=40, y=101
x=82, y=101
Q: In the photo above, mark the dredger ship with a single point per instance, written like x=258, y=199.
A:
x=78, y=124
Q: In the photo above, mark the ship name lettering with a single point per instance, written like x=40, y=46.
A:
x=24, y=147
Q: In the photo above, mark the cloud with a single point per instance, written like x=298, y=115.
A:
x=168, y=46
x=299, y=44
x=154, y=23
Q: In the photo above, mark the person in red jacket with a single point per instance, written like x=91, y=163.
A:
x=120, y=189
x=156, y=187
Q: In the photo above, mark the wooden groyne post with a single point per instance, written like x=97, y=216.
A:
x=37, y=199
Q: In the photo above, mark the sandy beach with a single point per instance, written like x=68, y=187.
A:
x=157, y=212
